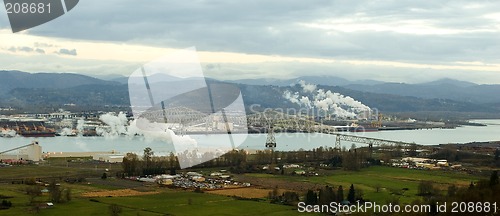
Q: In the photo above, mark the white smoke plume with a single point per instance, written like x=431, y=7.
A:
x=66, y=132
x=305, y=101
x=160, y=131
x=292, y=98
x=8, y=133
x=307, y=88
x=80, y=126
x=330, y=103
x=117, y=125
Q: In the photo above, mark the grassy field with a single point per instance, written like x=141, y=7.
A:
x=167, y=202
x=388, y=179
x=189, y=203
x=391, y=182
x=50, y=171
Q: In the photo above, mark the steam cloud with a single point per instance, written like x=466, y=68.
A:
x=116, y=125
x=119, y=125
x=331, y=103
x=8, y=133
x=307, y=88
x=80, y=126
x=66, y=132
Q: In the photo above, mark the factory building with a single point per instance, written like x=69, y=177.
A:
x=109, y=158
x=31, y=152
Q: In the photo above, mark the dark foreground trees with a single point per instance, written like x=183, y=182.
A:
x=327, y=195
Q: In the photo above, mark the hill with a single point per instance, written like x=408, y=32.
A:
x=35, y=92
x=441, y=89
x=17, y=79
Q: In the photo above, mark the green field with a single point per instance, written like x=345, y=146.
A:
x=50, y=171
x=388, y=179
x=390, y=182
x=168, y=202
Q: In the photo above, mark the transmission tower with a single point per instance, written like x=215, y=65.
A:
x=271, y=140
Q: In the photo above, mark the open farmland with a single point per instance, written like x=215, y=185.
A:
x=249, y=192
x=392, y=182
x=161, y=201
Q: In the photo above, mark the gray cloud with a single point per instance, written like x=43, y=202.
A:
x=287, y=70
x=55, y=63
x=39, y=44
x=274, y=27
x=41, y=51
x=67, y=52
x=26, y=49
x=280, y=28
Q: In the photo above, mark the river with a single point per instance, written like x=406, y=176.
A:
x=285, y=141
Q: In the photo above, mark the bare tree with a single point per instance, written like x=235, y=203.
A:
x=55, y=192
x=130, y=164
x=33, y=192
x=115, y=210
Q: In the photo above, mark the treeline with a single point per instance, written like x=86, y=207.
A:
x=328, y=194
x=56, y=194
x=478, y=198
x=452, y=154
x=149, y=164
x=239, y=161
x=323, y=196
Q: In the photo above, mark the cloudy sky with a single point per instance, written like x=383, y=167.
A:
x=398, y=40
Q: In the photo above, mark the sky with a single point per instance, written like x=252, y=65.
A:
x=392, y=40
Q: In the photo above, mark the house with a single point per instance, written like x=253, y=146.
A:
x=442, y=163
x=198, y=179
x=225, y=176
x=45, y=205
x=287, y=166
x=215, y=174
x=165, y=182
x=299, y=172
x=193, y=174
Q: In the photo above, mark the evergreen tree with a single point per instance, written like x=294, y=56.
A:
x=340, y=194
x=351, y=196
x=326, y=196
x=311, y=198
x=147, y=157
x=494, y=178
x=330, y=194
x=471, y=185
x=322, y=197
x=452, y=190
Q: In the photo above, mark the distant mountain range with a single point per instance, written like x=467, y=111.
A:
x=442, y=89
x=319, y=80
x=22, y=89
x=10, y=80
x=439, y=89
